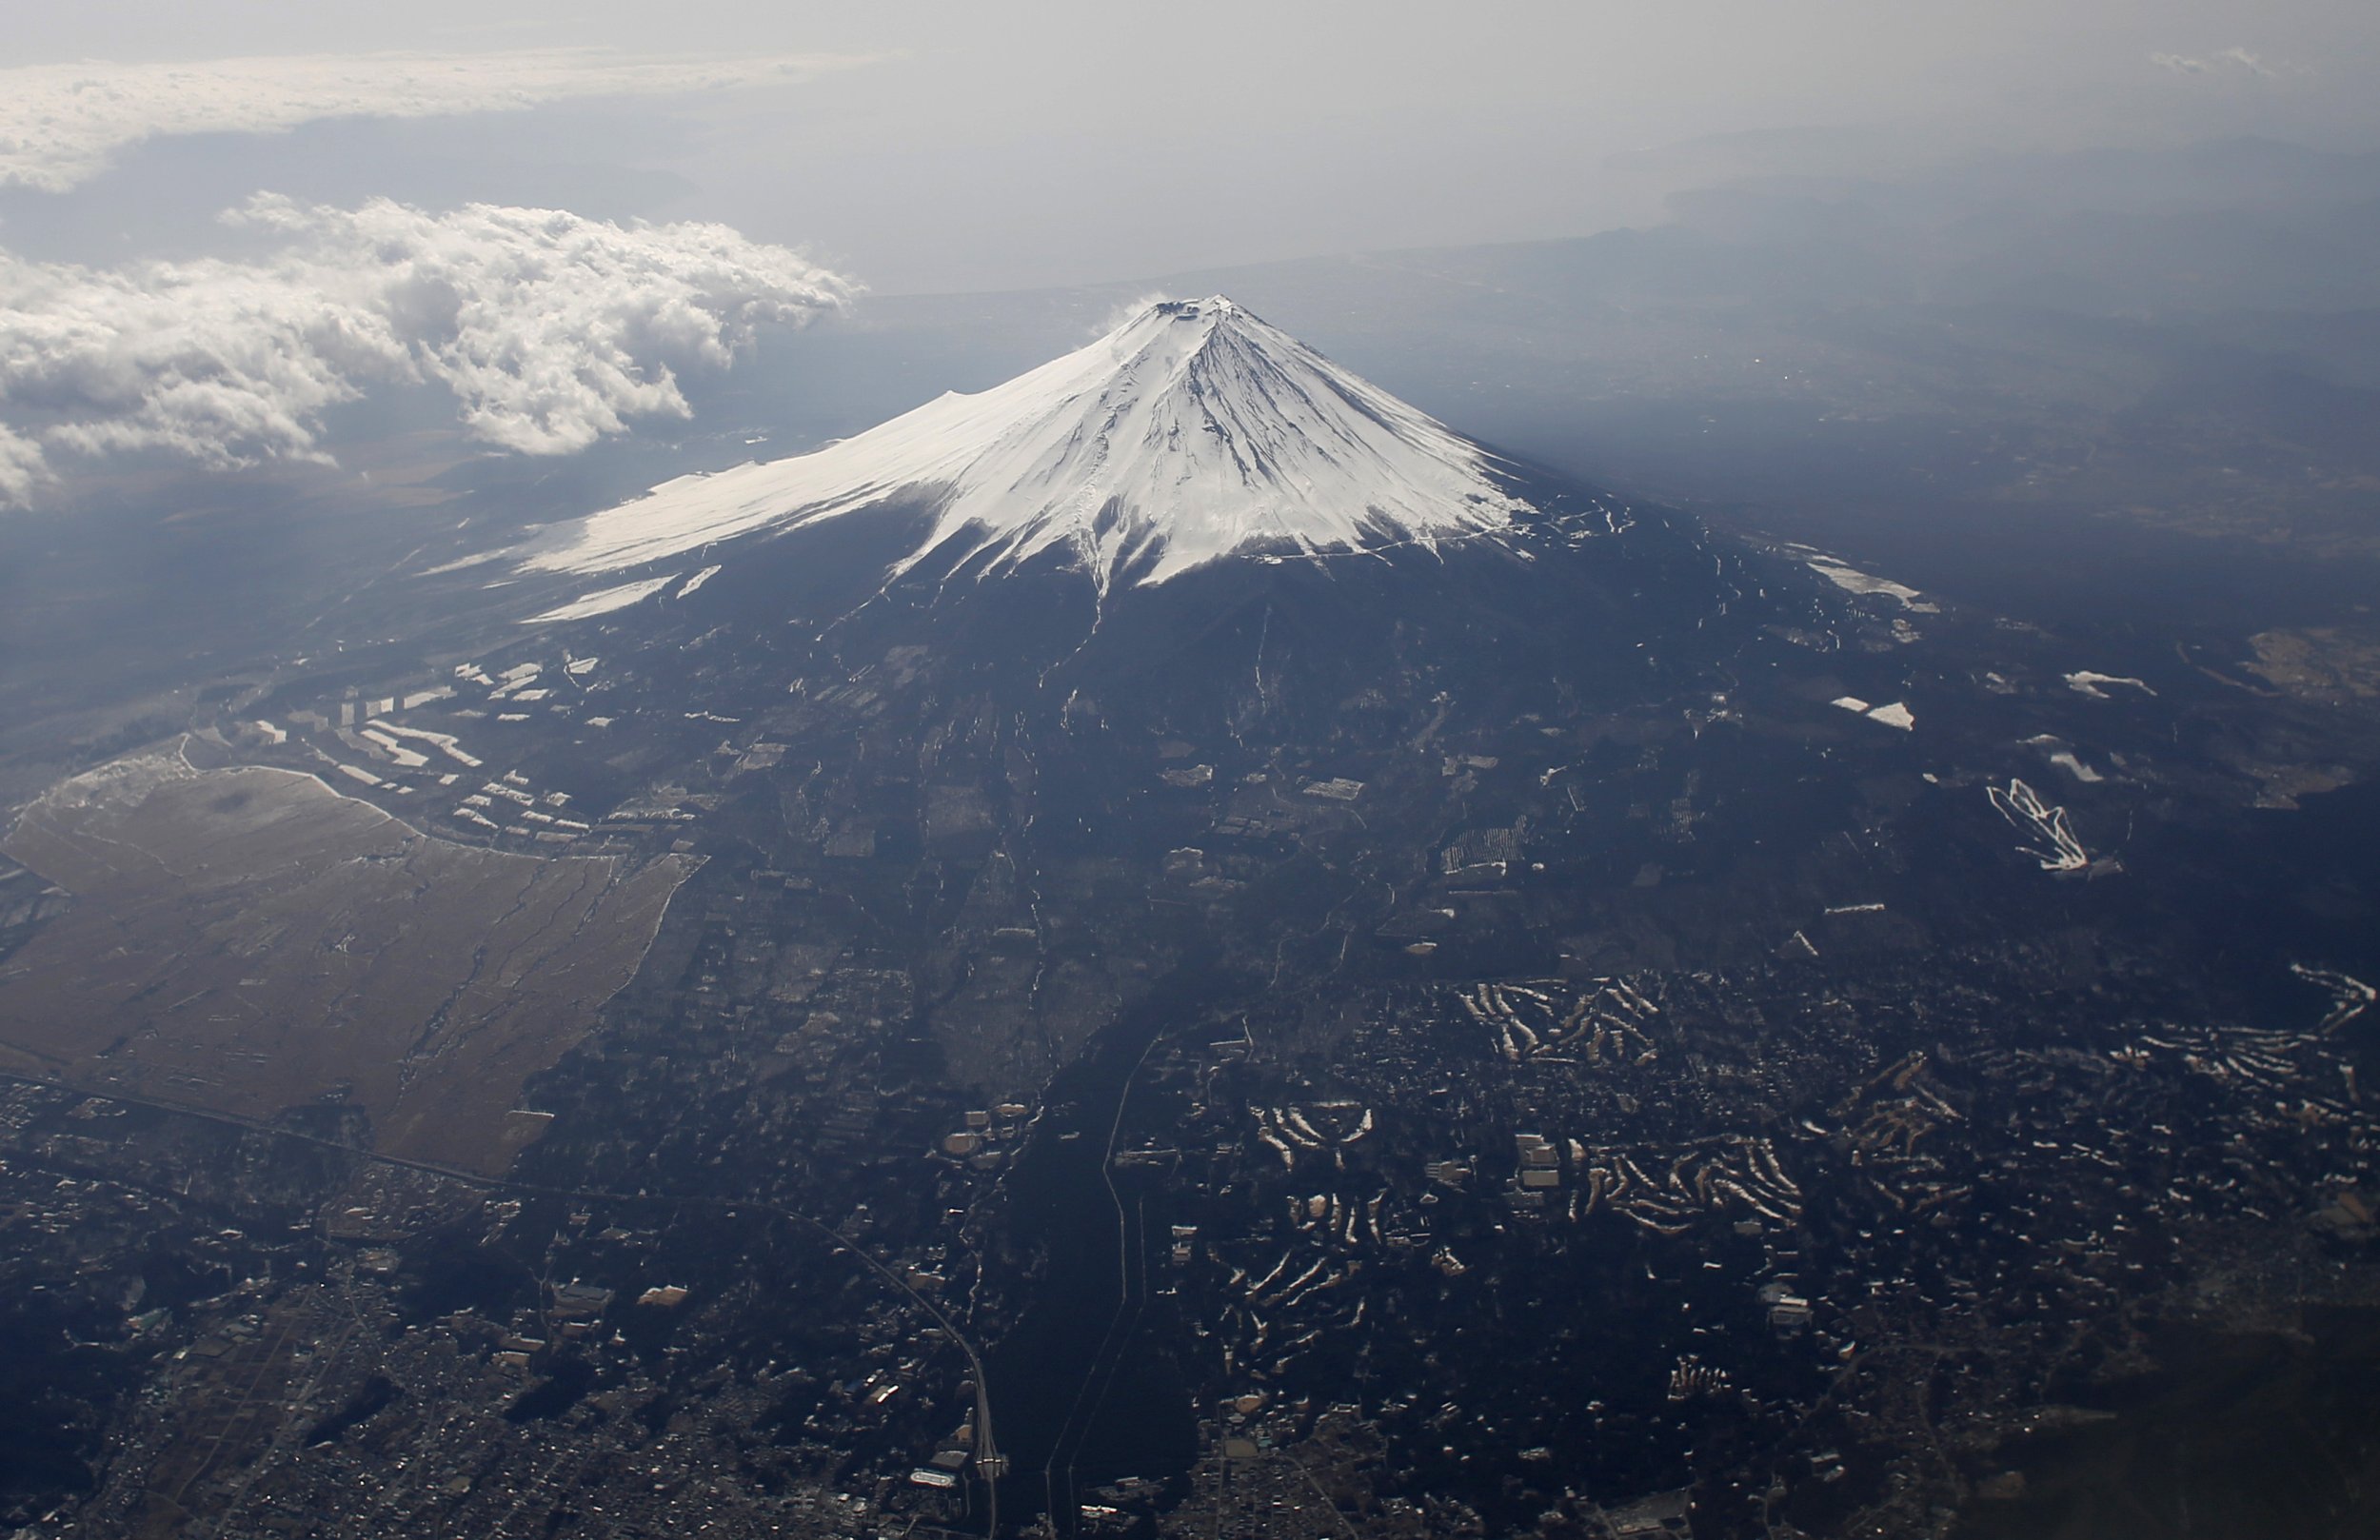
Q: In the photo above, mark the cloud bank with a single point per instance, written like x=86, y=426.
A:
x=550, y=330
x=59, y=125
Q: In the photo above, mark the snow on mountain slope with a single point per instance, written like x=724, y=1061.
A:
x=1190, y=432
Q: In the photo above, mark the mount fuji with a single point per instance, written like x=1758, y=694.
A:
x=1195, y=502
x=1193, y=432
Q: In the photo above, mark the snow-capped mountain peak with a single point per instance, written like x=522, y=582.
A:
x=1191, y=433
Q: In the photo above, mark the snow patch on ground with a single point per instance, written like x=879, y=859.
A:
x=1896, y=715
x=604, y=600
x=2083, y=681
x=1850, y=580
x=460, y=563
x=2054, y=845
x=2061, y=754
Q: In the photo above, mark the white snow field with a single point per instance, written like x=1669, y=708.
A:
x=1192, y=431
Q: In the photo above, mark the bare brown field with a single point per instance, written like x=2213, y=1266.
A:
x=248, y=940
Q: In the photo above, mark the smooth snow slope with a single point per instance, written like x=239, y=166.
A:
x=1192, y=431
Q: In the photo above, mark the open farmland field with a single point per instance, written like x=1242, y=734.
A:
x=248, y=940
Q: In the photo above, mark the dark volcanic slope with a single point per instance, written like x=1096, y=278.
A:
x=1584, y=600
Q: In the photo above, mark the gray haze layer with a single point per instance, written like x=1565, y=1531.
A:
x=1008, y=147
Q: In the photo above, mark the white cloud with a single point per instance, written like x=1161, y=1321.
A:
x=61, y=125
x=21, y=468
x=2229, y=59
x=1124, y=310
x=551, y=331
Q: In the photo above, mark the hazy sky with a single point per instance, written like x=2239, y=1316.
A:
x=1055, y=141
x=220, y=220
